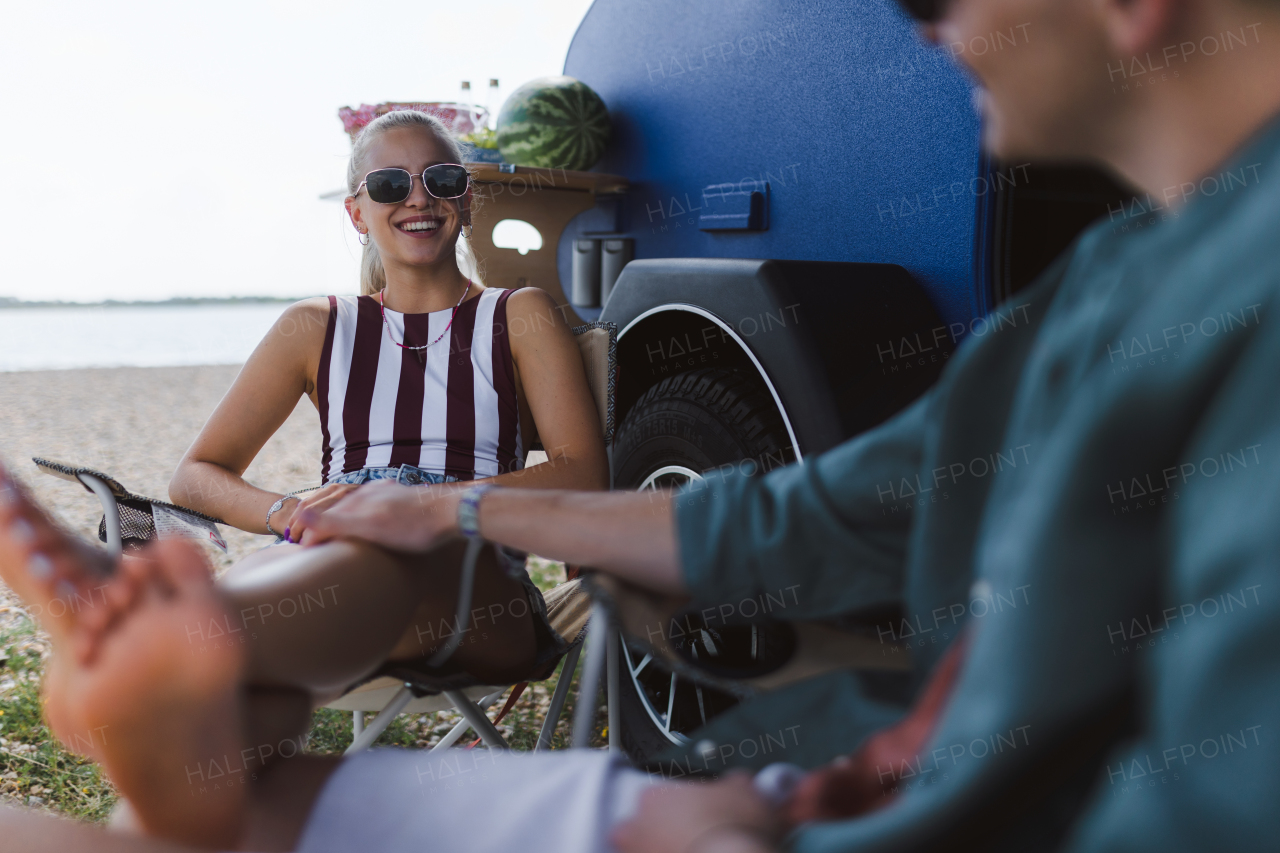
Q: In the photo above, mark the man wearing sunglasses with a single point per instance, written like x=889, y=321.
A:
x=1119, y=705
x=1131, y=698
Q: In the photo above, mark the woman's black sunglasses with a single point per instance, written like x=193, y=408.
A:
x=392, y=186
x=926, y=11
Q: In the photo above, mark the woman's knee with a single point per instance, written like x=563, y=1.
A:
x=264, y=556
x=289, y=569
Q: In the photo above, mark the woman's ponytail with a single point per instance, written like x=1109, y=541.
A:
x=373, y=278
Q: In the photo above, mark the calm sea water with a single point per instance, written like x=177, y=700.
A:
x=161, y=336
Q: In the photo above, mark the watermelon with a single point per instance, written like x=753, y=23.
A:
x=553, y=123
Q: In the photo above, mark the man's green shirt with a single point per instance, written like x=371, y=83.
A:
x=1092, y=490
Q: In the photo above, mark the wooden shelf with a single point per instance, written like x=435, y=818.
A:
x=549, y=179
x=548, y=199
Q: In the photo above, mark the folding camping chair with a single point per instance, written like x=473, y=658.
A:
x=131, y=518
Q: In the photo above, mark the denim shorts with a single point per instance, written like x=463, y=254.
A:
x=408, y=475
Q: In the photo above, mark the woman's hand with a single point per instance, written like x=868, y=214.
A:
x=402, y=518
x=725, y=816
x=289, y=518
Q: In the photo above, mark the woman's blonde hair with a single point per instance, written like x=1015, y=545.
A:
x=373, y=278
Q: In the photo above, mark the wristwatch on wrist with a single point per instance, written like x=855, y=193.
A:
x=469, y=511
x=275, y=507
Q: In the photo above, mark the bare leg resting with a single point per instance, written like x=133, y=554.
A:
x=313, y=622
x=323, y=618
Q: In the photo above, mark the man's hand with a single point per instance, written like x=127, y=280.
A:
x=724, y=816
x=291, y=514
x=628, y=534
x=402, y=518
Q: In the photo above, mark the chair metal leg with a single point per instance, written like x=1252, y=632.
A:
x=379, y=725
x=557, y=698
x=357, y=724
x=488, y=731
x=611, y=693
x=584, y=714
x=462, y=725
x=110, y=511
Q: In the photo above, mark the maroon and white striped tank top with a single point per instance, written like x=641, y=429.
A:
x=453, y=411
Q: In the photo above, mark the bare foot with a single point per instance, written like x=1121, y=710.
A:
x=126, y=684
x=59, y=584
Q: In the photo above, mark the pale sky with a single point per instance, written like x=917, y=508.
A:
x=158, y=149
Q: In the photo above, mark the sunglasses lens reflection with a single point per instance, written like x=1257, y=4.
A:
x=446, y=180
x=388, y=186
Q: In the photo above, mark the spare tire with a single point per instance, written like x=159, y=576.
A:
x=680, y=428
x=697, y=421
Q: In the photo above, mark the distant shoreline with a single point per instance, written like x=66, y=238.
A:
x=181, y=301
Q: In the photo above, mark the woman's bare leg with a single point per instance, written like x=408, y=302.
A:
x=315, y=621
x=323, y=618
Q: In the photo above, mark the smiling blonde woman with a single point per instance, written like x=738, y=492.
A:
x=417, y=380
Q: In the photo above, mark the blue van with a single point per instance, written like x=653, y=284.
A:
x=811, y=226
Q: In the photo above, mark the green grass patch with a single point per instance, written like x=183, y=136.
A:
x=35, y=769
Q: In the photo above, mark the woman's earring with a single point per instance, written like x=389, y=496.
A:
x=467, y=231
x=363, y=238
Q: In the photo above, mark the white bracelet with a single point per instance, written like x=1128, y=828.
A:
x=275, y=507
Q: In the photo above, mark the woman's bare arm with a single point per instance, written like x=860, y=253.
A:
x=549, y=366
x=284, y=365
x=281, y=369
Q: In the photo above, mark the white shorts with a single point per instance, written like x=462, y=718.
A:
x=477, y=800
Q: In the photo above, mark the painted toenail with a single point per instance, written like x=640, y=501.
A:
x=40, y=567
x=66, y=590
x=22, y=530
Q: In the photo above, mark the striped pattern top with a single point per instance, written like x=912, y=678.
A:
x=450, y=408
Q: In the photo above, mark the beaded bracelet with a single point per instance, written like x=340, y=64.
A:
x=469, y=511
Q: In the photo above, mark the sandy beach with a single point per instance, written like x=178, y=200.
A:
x=134, y=424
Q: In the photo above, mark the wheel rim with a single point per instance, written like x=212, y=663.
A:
x=658, y=689
x=675, y=706
x=661, y=719
x=670, y=476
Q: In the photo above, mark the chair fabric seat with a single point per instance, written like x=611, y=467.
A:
x=373, y=696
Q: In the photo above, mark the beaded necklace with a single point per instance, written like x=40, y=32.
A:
x=418, y=350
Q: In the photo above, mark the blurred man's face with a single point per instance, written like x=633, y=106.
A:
x=1046, y=94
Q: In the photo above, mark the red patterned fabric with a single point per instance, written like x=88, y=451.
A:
x=854, y=785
